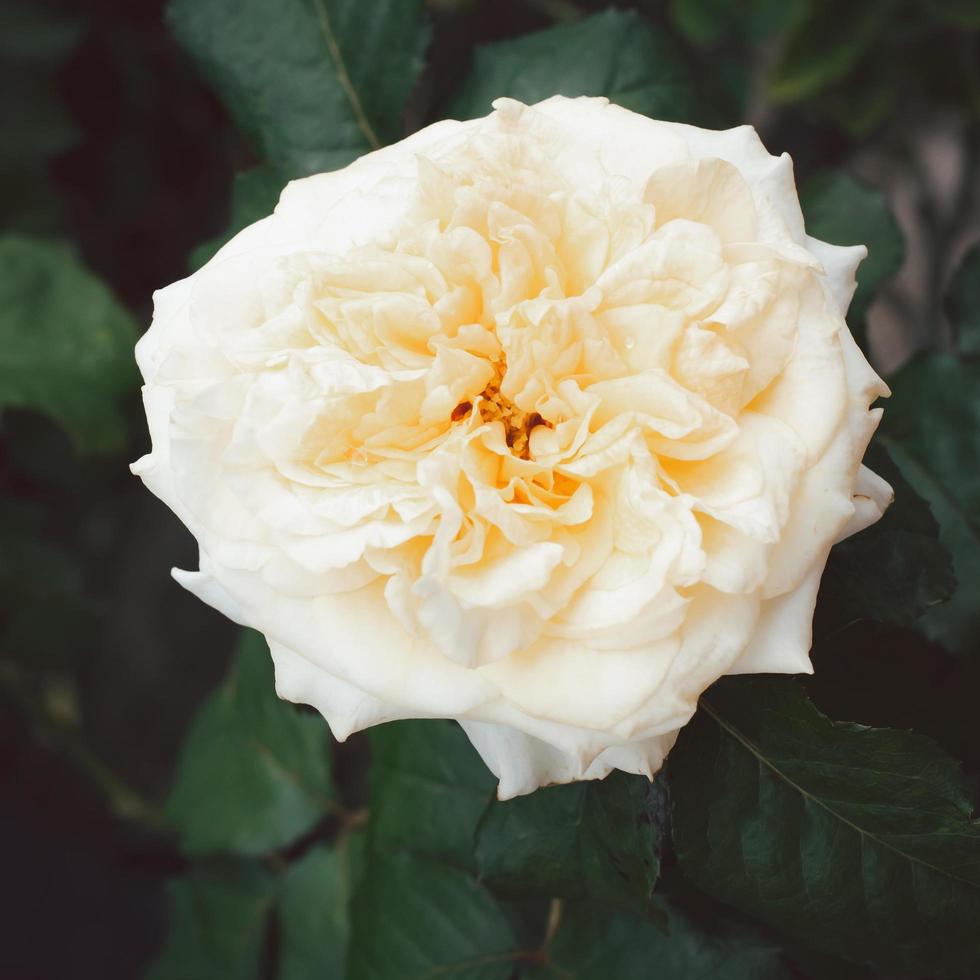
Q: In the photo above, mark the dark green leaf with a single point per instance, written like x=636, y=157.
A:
x=615, y=54
x=597, y=839
x=317, y=82
x=896, y=678
x=824, y=46
x=594, y=942
x=415, y=919
x=931, y=428
x=702, y=21
x=254, y=771
x=707, y=21
x=218, y=922
x=843, y=211
x=314, y=894
x=429, y=789
x=418, y=909
x=891, y=572
x=67, y=345
x=858, y=841
x=963, y=302
x=254, y=195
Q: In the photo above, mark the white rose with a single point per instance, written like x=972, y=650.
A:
x=542, y=421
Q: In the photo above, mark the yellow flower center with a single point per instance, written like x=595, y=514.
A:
x=494, y=406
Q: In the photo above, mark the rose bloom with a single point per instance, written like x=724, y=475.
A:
x=542, y=422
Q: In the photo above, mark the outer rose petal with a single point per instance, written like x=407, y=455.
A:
x=542, y=422
x=522, y=762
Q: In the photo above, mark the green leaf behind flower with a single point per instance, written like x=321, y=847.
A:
x=931, y=429
x=860, y=842
x=316, y=82
x=254, y=771
x=893, y=571
x=254, y=195
x=66, y=344
x=844, y=211
x=223, y=913
x=314, y=925
x=429, y=789
x=419, y=910
x=218, y=923
x=414, y=918
x=597, y=839
x=616, y=54
x=431, y=904
x=594, y=942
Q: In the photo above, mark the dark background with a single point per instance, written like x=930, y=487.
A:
x=112, y=142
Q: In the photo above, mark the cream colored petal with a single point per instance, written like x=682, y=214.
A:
x=523, y=763
x=735, y=562
x=820, y=509
x=781, y=641
x=811, y=393
x=751, y=482
x=709, y=191
x=355, y=637
x=716, y=630
x=840, y=265
x=346, y=708
x=622, y=143
x=871, y=498
x=566, y=681
x=682, y=425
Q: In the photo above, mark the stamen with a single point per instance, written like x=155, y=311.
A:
x=495, y=407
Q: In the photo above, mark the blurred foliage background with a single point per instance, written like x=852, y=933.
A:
x=140, y=830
